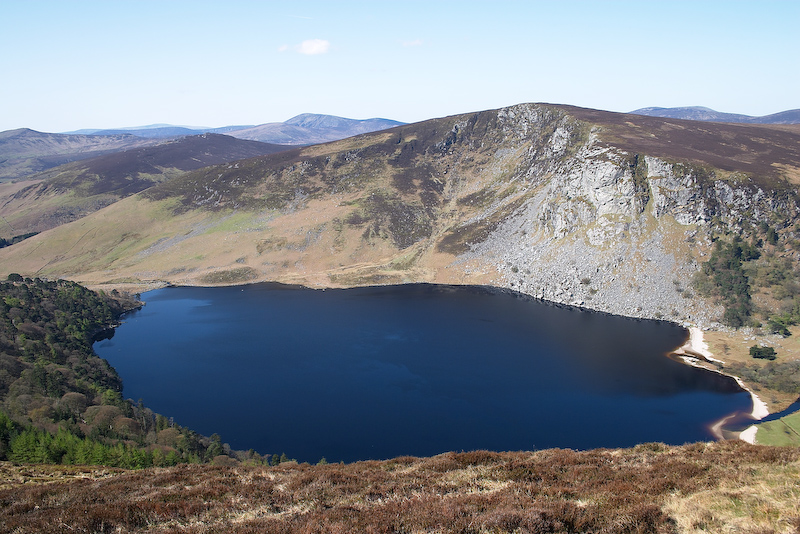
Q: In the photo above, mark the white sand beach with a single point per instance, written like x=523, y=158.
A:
x=749, y=434
x=696, y=349
x=698, y=345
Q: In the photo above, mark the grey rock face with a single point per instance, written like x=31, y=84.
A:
x=616, y=232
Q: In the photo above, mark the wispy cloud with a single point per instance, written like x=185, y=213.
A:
x=311, y=47
x=415, y=42
x=314, y=46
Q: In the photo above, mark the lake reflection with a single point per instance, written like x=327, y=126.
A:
x=409, y=370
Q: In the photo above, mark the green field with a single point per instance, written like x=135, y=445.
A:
x=784, y=431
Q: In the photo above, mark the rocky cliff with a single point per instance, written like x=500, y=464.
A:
x=623, y=232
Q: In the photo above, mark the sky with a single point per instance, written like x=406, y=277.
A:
x=68, y=65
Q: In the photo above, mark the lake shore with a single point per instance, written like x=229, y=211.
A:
x=694, y=352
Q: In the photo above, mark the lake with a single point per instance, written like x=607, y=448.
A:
x=380, y=372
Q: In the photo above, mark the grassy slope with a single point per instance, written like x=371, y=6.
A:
x=73, y=190
x=720, y=487
x=275, y=239
x=785, y=431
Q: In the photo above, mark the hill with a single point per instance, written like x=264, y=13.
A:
x=62, y=404
x=24, y=151
x=69, y=192
x=698, y=113
x=714, y=488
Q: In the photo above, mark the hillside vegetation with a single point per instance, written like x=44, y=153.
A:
x=60, y=403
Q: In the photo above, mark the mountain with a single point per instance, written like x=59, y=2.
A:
x=614, y=212
x=697, y=113
x=351, y=126
x=24, y=151
x=308, y=129
x=73, y=190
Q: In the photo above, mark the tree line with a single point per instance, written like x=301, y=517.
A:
x=16, y=239
x=738, y=268
x=61, y=403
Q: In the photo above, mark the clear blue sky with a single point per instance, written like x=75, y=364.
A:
x=67, y=65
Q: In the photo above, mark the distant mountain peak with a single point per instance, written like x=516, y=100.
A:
x=312, y=128
x=317, y=121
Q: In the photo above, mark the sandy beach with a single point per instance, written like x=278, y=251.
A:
x=749, y=434
x=697, y=349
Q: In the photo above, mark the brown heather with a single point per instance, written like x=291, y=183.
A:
x=717, y=487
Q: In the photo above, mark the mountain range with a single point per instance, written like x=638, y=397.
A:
x=307, y=129
x=609, y=211
x=24, y=152
x=647, y=217
x=699, y=113
x=691, y=221
x=304, y=129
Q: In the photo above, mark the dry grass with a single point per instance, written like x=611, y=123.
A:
x=13, y=476
x=763, y=498
x=720, y=487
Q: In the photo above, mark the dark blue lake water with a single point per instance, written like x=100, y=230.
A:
x=374, y=373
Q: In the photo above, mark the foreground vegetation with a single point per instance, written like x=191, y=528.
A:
x=718, y=487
